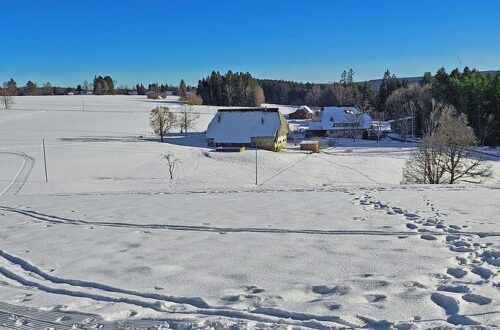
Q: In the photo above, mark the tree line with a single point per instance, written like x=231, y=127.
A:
x=472, y=93
x=11, y=88
x=342, y=92
x=101, y=85
x=230, y=89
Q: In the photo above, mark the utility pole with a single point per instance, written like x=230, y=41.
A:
x=45, y=161
x=256, y=182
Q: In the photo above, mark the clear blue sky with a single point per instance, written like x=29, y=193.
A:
x=68, y=41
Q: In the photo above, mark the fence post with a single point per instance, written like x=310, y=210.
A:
x=45, y=161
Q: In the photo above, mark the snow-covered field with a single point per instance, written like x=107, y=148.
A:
x=324, y=240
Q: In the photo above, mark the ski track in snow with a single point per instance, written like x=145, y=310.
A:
x=28, y=275
x=19, y=317
x=61, y=220
x=22, y=175
x=449, y=295
x=475, y=258
x=346, y=189
x=476, y=262
x=26, y=318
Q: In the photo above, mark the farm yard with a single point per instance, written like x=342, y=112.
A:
x=322, y=240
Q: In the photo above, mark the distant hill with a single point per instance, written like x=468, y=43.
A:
x=413, y=80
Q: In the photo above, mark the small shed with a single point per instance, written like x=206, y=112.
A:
x=310, y=145
x=230, y=149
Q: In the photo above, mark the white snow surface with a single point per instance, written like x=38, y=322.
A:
x=329, y=240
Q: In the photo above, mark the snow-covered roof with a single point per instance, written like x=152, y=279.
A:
x=399, y=119
x=332, y=118
x=240, y=125
x=306, y=108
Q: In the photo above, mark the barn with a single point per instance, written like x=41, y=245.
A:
x=304, y=112
x=264, y=128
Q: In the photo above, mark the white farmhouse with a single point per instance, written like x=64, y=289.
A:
x=340, y=122
x=265, y=128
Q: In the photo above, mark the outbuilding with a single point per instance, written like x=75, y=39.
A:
x=304, y=112
x=312, y=146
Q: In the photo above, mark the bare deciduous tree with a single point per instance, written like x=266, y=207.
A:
x=486, y=127
x=193, y=99
x=426, y=164
x=432, y=121
x=85, y=86
x=356, y=120
x=403, y=104
x=458, y=137
x=342, y=93
x=314, y=95
x=47, y=88
x=161, y=121
x=171, y=163
x=445, y=154
x=229, y=95
x=378, y=128
x=187, y=118
x=6, y=99
x=259, y=96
